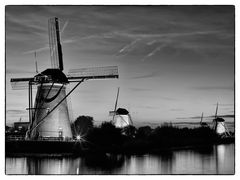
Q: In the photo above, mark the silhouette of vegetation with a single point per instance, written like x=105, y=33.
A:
x=130, y=131
x=143, y=132
x=82, y=125
x=108, y=138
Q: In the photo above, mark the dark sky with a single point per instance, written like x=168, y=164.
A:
x=174, y=61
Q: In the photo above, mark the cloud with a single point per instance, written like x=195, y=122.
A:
x=225, y=115
x=64, y=26
x=139, y=89
x=221, y=104
x=209, y=88
x=199, y=117
x=128, y=47
x=168, y=98
x=18, y=71
x=151, y=75
x=45, y=48
x=147, y=107
x=177, y=109
x=151, y=42
x=36, y=50
x=153, y=52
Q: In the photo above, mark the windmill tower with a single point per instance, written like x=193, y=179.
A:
x=121, y=117
x=49, y=117
x=219, y=125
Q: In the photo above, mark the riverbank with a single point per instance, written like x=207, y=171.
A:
x=109, y=139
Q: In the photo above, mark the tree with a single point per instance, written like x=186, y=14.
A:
x=82, y=125
x=129, y=131
x=143, y=132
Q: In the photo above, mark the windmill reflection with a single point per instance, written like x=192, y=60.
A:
x=99, y=164
x=217, y=159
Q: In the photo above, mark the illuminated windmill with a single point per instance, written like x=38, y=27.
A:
x=121, y=116
x=219, y=125
x=49, y=117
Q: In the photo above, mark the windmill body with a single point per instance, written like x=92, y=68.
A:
x=219, y=126
x=49, y=117
x=57, y=123
x=122, y=118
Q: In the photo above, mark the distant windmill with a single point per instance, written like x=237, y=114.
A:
x=121, y=117
x=219, y=125
x=49, y=117
x=203, y=124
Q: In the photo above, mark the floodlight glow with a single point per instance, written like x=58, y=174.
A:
x=78, y=137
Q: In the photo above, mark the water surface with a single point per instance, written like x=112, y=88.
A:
x=217, y=159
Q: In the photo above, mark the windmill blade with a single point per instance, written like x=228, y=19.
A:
x=112, y=113
x=54, y=44
x=115, y=107
x=93, y=73
x=20, y=83
x=216, y=111
x=201, y=118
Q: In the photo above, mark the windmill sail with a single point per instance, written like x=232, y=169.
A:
x=201, y=118
x=54, y=44
x=93, y=73
x=115, y=107
x=216, y=111
x=20, y=83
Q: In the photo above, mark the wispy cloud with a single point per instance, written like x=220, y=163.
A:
x=176, y=109
x=37, y=50
x=153, y=74
x=153, y=52
x=139, y=89
x=46, y=48
x=128, y=47
x=207, y=88
x=18, y=71
x=168, y=98
x=147, y=107
x=64, y=26
x=199, y=117
x=151, y=36
x=221, y=104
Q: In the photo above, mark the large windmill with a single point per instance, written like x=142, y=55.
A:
x=121, y=117
x=49, y=117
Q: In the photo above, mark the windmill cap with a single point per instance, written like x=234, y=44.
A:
x=56, y=75
x=219, y=120
x=122, y=111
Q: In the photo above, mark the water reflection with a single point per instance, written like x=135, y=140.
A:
x=211, y=160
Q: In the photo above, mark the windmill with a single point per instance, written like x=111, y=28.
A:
x=49, y=117
x=203, y=124
x=219, y=125
x=121, y=117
